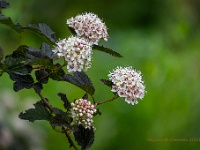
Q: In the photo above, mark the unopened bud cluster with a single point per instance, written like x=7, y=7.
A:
x=127, y=83
x=77, y=53
x=82, y=113
x=89, y=26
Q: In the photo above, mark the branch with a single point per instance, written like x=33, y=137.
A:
x=44, y=100
x=70, y=141
x=53, y=71
x=93, y=99
x=109, y=100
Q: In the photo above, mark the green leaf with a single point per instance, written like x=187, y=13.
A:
x=40, y=112
x=21, y=81
x=107, y=50
x=84, y=137
x=60, y=119
x=42, y=30
x=4, y=5
x=81, y=80
x=67, y=104
x=107, y=82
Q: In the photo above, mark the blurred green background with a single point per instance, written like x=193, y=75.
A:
x=159, y=38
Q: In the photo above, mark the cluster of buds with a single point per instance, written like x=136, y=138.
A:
x=77, y=52
x=82, y=112
x=89, y=26
x=127, y=83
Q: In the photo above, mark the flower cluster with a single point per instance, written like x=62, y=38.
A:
x=82, y=112
x=127, y=83
x=77, y=53
x=89, y=26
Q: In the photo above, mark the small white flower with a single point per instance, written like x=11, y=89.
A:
x=127, y=83
x=89, y=26
x=76, y=51
x=82, y=113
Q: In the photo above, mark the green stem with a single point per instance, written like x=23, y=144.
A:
x=109, y=100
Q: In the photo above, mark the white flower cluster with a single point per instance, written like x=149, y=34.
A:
x=77, y=53
x=127, y=83
x=89, y=26
x=82, y=112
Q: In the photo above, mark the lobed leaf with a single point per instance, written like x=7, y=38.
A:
x=38, y=87
x=1, y=54
x=4, y=5
x=42, y=30
x=107, y=50
x=41, y=76
x=72, y=30
x=8, y=21
x=81, y=80
x=21, y=81
x=107, y=82
x=67, y=104
x=15, y=62
x=84, y=137
x=60, y=119
x=37, y=57
x=85, y=96
x=47, y=50
x=40, y=112
x=55, y=72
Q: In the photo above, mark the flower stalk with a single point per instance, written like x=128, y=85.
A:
x=106, y=101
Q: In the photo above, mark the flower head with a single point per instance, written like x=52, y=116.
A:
x=89, y=26
x=127, y=83
x=82, y=112
x=77, y=52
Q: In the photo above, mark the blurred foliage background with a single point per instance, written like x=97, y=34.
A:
x=160, y=38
